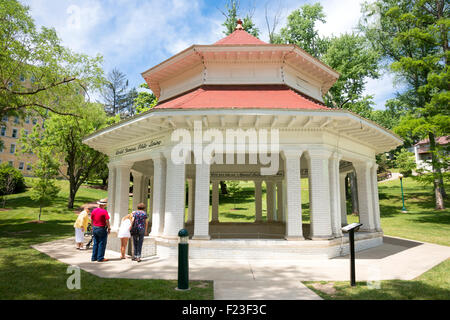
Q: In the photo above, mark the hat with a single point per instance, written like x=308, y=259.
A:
x=103, y=201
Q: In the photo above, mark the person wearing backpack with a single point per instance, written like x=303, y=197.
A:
x=139, y=229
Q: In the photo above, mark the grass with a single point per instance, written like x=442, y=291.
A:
x=432, y=285
x=26, y=273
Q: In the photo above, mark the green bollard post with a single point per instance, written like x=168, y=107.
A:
x=183, y=261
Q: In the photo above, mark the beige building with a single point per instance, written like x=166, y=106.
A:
x=11, y=130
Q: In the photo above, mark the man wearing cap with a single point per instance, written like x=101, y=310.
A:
x=101, y=229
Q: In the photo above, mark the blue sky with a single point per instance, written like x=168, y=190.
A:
x=134, y=35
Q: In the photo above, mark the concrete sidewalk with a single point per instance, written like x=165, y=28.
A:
x=241, y=279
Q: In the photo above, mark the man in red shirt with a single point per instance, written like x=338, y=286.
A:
x=100, y=228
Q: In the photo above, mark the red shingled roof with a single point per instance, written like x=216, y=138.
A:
x=241, y=97
x=240, y=37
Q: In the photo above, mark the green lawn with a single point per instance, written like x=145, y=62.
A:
x=26, y=273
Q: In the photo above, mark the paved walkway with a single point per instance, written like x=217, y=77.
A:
x=252, y=280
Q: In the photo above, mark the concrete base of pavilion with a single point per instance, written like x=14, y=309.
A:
x=256, y=241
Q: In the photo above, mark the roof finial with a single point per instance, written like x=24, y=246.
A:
x=239, y=25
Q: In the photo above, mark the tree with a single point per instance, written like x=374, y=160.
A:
x=301, y=29
x=11, y=181
x=115, y=92
x=233, y=188
x=231, y=16
x=405, y=161
x=412, y=37
x=44, y=190
x=145, y=100
x=36, y=71
x=350, y=55
x=63, y=135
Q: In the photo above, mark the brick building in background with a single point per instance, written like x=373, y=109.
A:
x=10, y=133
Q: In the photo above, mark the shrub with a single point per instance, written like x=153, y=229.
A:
x=11, y=180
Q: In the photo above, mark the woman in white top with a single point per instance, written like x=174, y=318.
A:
x=124, y=233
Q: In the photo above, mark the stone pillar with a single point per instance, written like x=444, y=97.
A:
x=215, y=202
x=159, y=196
x=279, y=201
x=376, y=202
x=335, y=196
x=293, y=195
x=270, y=197
x=137, y=188
x=201, y=221
x=175, y=198
x=121, y=203
x=365, y=196
x=150, y=202
x=258, y=201
x=191, y=200
x=320, y=194
x=111, y=191
x=343, y=198
x=144, y=192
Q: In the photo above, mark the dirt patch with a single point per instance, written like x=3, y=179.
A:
x=17, y=232
x=327, y=288
x=5, y=209
x=202, y=285
x=36, y=221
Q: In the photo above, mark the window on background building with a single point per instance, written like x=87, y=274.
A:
x=5, y=118
x=16, y=120
x=22, y=78
x=27, y=120
x=11, y=163
x=3, y=131
x=21, y=164
x=34, y=121
x=28, y=167
x=1, y=148
x=12, y=149
x=25, y=132
x=14, y=133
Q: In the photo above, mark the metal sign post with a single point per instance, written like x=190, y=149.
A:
x=351, y=228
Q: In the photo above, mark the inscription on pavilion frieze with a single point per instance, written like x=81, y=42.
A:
x=139, y=147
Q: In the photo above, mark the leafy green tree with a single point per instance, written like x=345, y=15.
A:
x=301, y=29
x=36, y=71
x=350, y=55
x=63, y=135
x=145, y=100
x=405, y=162
x=412, y=37
x=44, y=190
x=231, y=16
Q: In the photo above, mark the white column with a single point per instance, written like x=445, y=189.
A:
x=144, y=192
x=158, y=195
x=215, y=202
x=121, y=204
x=343, y=198
x=175, y=198
x=320, y=194
x=191, y=200
x=150, y=199
x=293, y=195
x=137, y=188
x=335, y=197
x=201, y=221
x=111, y=191
x=258, y=201
x=365, y=196
x=270, y=193
x=279, y=201
x=376, y=202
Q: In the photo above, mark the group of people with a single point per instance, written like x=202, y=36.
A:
x=136, y=222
